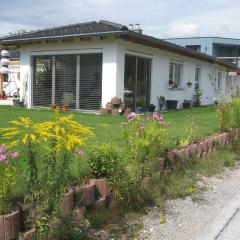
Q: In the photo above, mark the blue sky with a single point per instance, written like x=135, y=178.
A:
x=161, y=18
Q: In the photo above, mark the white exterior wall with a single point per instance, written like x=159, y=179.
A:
x=109, y=71
x=160, y=74
x=113, y=69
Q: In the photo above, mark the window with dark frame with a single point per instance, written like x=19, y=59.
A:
x=175, y=75
x=197, y=78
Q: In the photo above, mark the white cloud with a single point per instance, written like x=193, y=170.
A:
x=182, y=30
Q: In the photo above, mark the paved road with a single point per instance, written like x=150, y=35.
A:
x=232, y=230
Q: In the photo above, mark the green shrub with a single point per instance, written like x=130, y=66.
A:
x=104, y=160
x=225, y=116
x=145, y=140
x=236, y=112
x=190, y=132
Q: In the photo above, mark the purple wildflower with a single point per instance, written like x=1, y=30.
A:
x=155, y=115
x=131, y=116
x=3, y=157
x=14, y=154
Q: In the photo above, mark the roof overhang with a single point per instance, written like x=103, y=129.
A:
x=127, y=36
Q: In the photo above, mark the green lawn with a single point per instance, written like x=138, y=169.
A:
x=107, y=128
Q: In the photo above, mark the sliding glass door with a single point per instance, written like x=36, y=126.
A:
x=75, y=80
x=137, y=81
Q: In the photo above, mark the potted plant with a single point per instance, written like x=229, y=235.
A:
x=161, y=102
x=187, y=103
x=116, y=101
x=9, y=217
x=171, y=104
x=197, y=98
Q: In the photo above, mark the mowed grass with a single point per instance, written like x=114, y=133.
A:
x=107, y=128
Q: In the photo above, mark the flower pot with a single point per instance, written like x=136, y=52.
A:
x=10, y=225
x=85, y=196
x=101, y=187
x=67, y=203
x=53, y=107
x=151, y=108
x=65, y=108
x=197, y=104
x=189, y=84
x=29, y=235
x=187, y=104
x=116, y=112
x=171, y=104
x=18, y=103
x=116, y=101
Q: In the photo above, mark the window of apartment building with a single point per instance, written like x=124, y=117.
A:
x=175, y=75
x=197, y=77
x=196, y=48
x=220, y=81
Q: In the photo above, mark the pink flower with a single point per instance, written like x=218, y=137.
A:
x=3, y=157
x=3, y=148
x=80, y=153
x=155, y=115
x=131, y=116
x=14, y=154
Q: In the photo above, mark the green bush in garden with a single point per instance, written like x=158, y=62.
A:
x=145, y=140
x=225, y=116
x=236, y=112
x=104, y=160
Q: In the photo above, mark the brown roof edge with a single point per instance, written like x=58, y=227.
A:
x=163, y=45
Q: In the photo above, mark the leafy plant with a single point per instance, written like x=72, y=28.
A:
x=197, y=97
x=8, y=173
x=145, y=140
x=104, y=160
x=236, y=112
x=190, y=132
x=225, y=116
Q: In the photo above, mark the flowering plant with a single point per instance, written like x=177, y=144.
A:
x=145, y=140
x=8, y=174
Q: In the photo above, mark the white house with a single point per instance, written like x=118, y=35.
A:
x=87, y=64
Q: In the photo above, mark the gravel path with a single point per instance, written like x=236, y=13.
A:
x=187, y=219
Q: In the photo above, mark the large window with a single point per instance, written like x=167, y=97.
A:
x=137, y=81
x=197, y=77
x=175, y=75
x=220, y=81
x=75, y=80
